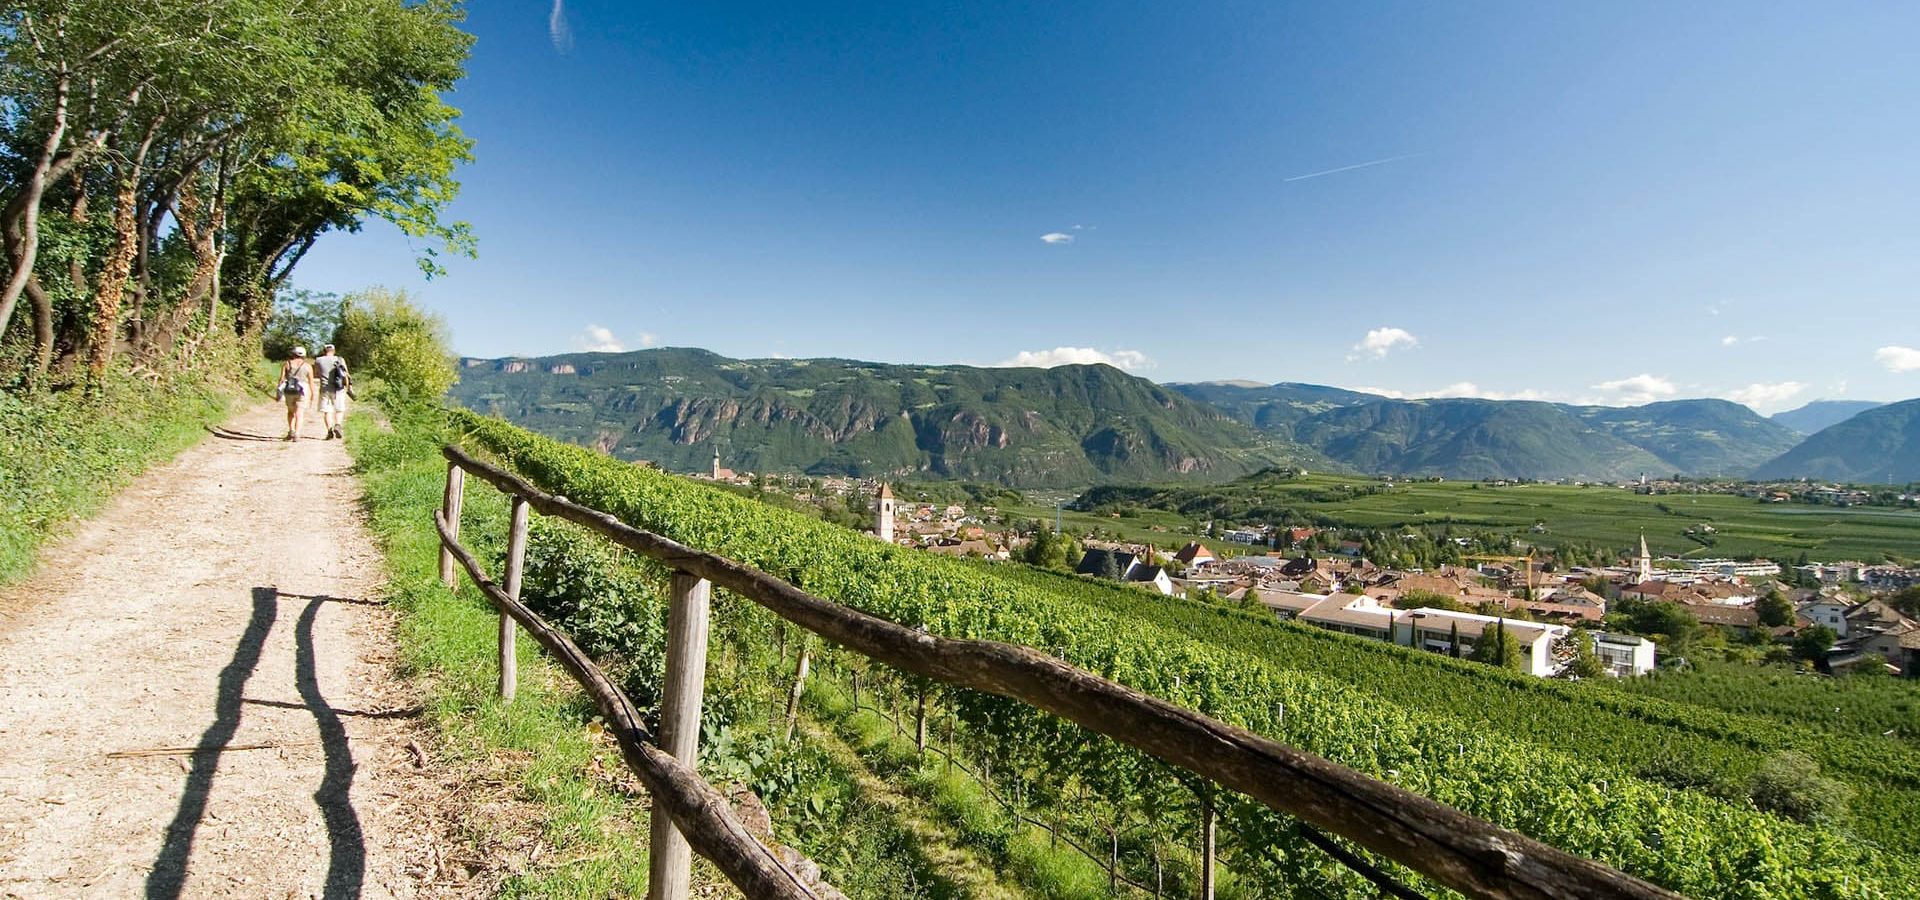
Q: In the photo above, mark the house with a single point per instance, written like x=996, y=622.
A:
x=1123, y=565
x=1433, y=630
x=1624, y=654
x=1193, y=555
x=1244, y=536
x=1830, y=612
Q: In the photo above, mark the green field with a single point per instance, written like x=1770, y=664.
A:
x=1596, y=515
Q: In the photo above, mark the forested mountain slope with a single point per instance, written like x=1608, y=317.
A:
x=1881, y=444
x=1065, y=426
x=1820, y=414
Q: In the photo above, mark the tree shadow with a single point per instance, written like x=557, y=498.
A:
x=346, y=863
x=231, y=435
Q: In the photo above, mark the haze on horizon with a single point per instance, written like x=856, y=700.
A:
x=1595, y=204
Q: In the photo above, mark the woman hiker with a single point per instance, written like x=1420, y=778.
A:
x=296, y=385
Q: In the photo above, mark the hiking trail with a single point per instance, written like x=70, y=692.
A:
x=199, y=696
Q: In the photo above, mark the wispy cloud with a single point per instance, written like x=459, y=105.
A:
x=600, y=339
x=558, y=29
x=1767, y=397
x=1364, y=165
x=1734, y=340
x=1897, y=358
x=1381, y=341
x=1078, y=356
x=1057, y=237
x=1635, y=390
x=1459, y=390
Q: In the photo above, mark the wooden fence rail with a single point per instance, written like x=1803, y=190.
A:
x=1474, y=857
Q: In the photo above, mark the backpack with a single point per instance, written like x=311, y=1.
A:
x=337, y=376
x=293, y=385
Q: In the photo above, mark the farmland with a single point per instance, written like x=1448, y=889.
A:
x=1591, y=514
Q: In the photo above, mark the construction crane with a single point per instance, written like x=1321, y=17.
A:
x=1526, y=563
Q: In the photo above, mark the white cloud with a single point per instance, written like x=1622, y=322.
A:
x=1078, y=356
x=648, y=338
x=1767, y=397
x=1381, y=341
x=1735, y=340
x=600, y=339
x=1057, y=237
x=1898, y=359
x=558, y=30
x=1635, y=390
x=1456, y=390
x=1729, y=341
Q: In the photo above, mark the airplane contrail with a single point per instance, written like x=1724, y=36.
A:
x=1377, y=162
x=558, y=29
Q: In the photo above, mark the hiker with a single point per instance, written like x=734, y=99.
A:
x=331, y=372
x=296, y=385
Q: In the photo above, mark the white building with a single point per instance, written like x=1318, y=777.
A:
x=1728, y=568
x=1624, y=654
x=884, y=526
x=1433, y=630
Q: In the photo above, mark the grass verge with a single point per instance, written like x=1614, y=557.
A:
x=64, y=455
x=561, y=784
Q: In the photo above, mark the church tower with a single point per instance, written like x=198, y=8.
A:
x=883, y=528
x=716, y=463
x=1646, y=561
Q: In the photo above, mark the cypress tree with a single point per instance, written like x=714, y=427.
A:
x=1453, y=640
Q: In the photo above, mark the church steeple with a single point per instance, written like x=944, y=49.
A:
x=883, y=527
x=1646, y=560
x=716, y=463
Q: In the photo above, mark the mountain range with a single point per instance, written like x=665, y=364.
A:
x=1067, y=426
x=1821, y=414
x=1071, y=426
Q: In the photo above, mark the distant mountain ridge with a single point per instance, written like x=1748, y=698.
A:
x=1878, y=445
x=1474, y=438
x=1820, y=414
x=1028, y=427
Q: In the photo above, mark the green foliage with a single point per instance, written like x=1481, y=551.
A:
x=1499, y=648
x=301, y=318
x=1429, y=600
x=64, y=454
x=385, y=336
x=1582, y=661
x=1051, y=551
x=1790, y=784
x=1465, y=734
x=1774, y=610
x=1813, y=643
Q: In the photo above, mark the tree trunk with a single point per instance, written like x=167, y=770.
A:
x=42, y=329
x=112, y=288
x=25, y=208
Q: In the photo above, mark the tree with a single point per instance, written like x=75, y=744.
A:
x=1105, y=566
x=383, y=335
x=1498, y=647
x=1814, y=643
x=1453, y=639
x=1775, y=610
x=1907, y=601
x=301, y=319
x=1582, y=661
x=1429, y=600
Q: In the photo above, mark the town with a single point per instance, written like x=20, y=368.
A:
x=1519, y=608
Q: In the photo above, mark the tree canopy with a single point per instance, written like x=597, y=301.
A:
x=166, y=161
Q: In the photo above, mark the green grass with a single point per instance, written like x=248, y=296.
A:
x=1598, y=515
x=540, y=744
x=64, y=455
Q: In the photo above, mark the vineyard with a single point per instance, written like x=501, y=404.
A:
x=1566, y=764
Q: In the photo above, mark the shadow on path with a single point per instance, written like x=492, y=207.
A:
x=347, y=848
x=347, y=857
x=231, y=435
x=170, y=868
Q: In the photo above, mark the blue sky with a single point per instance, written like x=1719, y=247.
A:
x=1597, y=202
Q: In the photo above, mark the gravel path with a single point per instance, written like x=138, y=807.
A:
x=198, y=695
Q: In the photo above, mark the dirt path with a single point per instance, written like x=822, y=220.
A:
x=197, y=695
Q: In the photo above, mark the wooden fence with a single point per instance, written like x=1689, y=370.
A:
x=1477, y=858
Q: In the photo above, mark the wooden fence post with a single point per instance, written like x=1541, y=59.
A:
x=671, y=862
x=1206, y=843
x=516, y=563
x=799, y=688
x=450, y=506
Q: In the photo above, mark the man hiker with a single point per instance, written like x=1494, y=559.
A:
x=296, y=385
x=331, y=372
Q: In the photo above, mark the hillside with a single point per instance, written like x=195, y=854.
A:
x=1272, y=407
x=1877, y=445
x=1474, y=439
x=1065, y=426
x=1820, y=414
x=1696, y=437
